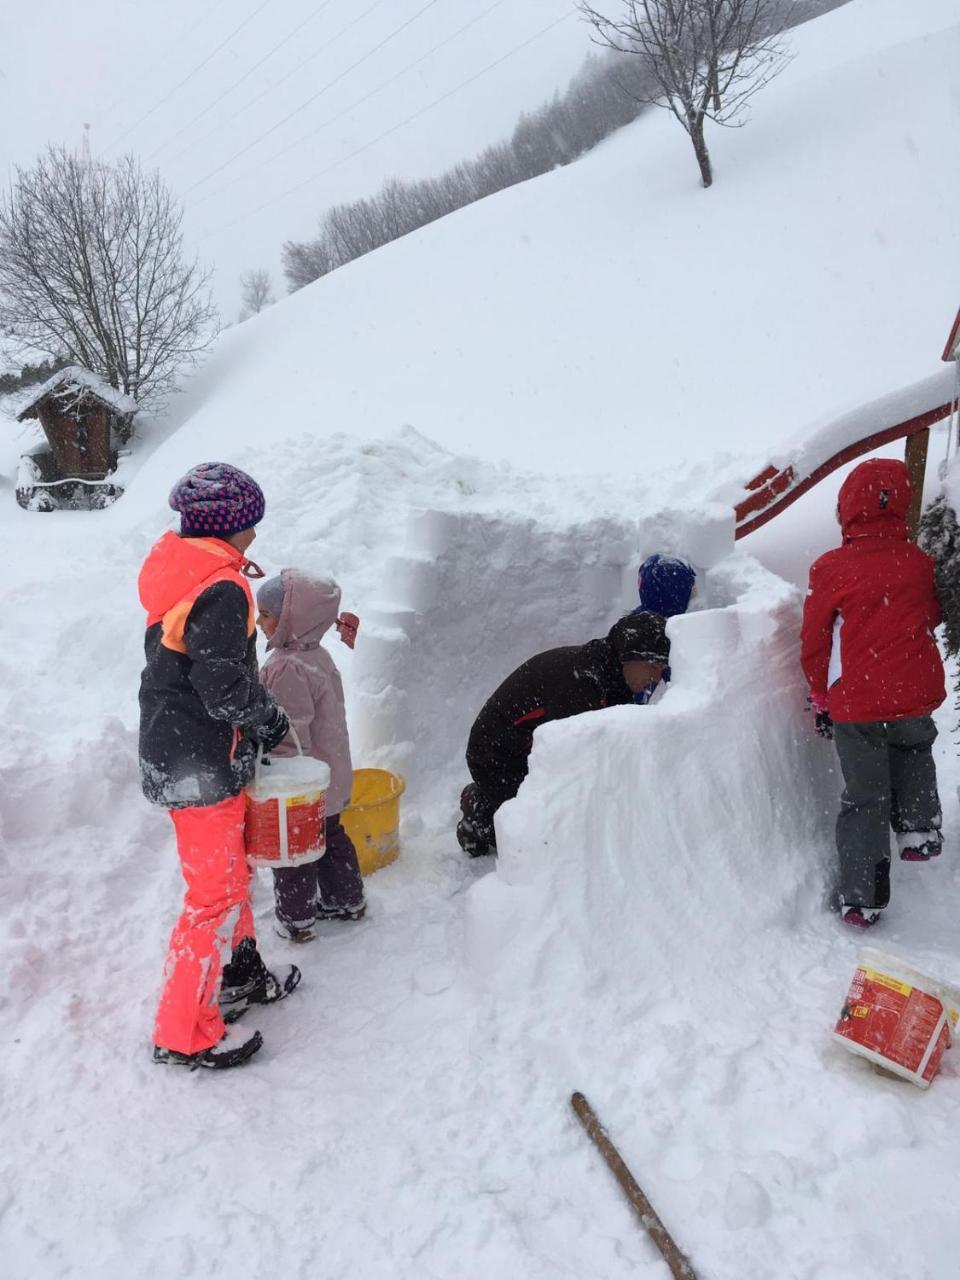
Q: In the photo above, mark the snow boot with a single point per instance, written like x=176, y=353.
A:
x=290, y=934
x=475, y=830
x=342, y=913
x=919, y=846
x=233, y=1050
x=861, y=917
x=248, y=981
x=474, y=840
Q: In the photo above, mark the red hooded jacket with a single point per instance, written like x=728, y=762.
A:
x=867, y=645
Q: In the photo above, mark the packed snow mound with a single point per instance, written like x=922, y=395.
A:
x=613, y=314
x=703, y=817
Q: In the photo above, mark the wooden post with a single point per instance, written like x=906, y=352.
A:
x=915, y=456
x=680, y=1268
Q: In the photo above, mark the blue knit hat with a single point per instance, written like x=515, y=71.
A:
x=665, y=584
x=215, y=499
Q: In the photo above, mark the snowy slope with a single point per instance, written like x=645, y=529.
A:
x=655, y=933
x=612, y=314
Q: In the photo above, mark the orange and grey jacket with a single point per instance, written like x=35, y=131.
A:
x=201, y=701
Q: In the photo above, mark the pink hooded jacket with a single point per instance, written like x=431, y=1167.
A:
x=304, y=679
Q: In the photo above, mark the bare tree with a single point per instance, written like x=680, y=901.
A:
x=305, y=262
x=256, y=292
x=92, y=268
x=706, y=58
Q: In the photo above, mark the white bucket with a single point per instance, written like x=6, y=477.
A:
x=285, y=810
x=898, y=1018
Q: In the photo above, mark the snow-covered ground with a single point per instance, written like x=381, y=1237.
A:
x=656, y=931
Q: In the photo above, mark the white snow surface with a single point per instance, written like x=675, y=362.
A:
x=656, y=930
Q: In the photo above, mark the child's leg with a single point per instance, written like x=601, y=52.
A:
x=295, y=894
x=476, y=833
x=338, y=871
x=216, y=914
x=863, y=825
x=913, y=773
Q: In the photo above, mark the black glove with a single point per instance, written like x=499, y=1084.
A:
x=273, y=730
x=823, y=725
x=244, y=761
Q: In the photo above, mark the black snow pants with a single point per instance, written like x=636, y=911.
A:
x=497, y=759
x=890, y=781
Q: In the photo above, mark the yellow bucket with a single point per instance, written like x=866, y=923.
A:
x=372, y=818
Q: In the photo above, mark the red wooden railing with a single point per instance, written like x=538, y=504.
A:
x=772, y=491
x=777, y=488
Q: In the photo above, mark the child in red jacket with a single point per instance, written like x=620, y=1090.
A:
x=875, y=676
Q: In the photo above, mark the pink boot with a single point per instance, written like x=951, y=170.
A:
x=919, y=846
x=861, y=917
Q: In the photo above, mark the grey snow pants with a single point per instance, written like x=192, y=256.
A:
x=890, y=781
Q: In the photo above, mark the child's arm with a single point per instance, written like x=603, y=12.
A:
x=216, y=641
x=288, y=682
x=816, y=636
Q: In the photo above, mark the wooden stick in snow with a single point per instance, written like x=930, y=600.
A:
x=680, y=1268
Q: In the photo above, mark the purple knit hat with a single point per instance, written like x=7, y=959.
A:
x=216, y=499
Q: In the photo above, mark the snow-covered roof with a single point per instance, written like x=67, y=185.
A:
x=75, y=377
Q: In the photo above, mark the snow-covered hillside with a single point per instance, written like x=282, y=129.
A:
x=612, y=315
x=479, y=429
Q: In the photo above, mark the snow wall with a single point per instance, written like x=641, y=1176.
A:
x=649, y=847
x=473, y=594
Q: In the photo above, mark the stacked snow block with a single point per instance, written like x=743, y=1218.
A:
x=471, y=596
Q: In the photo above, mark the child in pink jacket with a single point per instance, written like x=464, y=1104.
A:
x=295, y=611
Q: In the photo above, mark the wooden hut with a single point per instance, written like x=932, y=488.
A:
x=85, y=422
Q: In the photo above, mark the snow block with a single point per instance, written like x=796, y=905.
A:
x=702, y=535
x=498, y=589
x=658, y=841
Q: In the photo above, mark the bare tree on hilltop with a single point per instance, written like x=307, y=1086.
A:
x=92, y=269
x=705, y=59
x=256, y=292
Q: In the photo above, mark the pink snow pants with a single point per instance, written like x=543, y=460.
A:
x=216, y=915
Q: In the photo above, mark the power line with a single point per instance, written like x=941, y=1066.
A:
x=169, y=48
x=393, y=128
x=385, y=84
x=190, y=74
x=303, y=105
x=288, y=76
x=246, y=75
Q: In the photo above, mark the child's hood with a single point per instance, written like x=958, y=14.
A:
x=176, y=566
x=874, y=500
x=310, y=608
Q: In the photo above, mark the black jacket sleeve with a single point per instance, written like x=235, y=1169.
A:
x=221, y=671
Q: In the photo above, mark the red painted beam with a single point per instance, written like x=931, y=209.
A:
x=784, y=486
x=952, y=350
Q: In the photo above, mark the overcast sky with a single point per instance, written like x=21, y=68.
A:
x=178, y=82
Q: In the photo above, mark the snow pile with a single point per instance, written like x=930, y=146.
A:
x=643, y=818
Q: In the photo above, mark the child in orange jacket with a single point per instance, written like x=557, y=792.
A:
x=203, y=711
